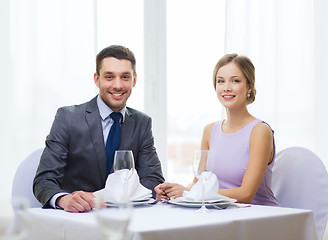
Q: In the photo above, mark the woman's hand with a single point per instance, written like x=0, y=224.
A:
x=168, y=190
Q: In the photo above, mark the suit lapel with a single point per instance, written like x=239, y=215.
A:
x=127, y=129
x=94, y=122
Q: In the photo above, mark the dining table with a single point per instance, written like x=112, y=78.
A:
x=164, y=221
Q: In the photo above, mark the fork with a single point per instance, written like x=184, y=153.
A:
x=217, y=207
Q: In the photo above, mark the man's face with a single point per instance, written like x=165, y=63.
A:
x=115, y=82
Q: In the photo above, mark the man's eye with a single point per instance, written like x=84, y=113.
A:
x=109, y=77
x=126, y=77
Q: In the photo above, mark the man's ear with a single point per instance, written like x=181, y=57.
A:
x=96, y=79
x=134, y=79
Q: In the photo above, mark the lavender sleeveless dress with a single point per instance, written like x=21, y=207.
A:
x=231, y=154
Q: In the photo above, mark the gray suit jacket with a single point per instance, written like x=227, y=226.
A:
x=75, y=156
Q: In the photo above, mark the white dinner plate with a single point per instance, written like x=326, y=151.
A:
x=222, y=203
x=134, y=203
x=228, y=200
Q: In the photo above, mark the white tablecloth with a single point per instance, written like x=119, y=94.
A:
x=167, y=222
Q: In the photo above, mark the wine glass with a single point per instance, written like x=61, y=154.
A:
x=124, y=167
x=113, y=222
x=202, y=163
x=13, y=219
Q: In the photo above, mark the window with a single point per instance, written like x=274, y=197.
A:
x=195, y=42
x=121, y=22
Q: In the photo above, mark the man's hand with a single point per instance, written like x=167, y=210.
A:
x=160, y=194
x=78, y=201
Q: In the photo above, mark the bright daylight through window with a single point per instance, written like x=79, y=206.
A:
x=195, y=41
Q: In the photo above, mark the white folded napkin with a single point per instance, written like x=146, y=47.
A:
x=114, y=189
x=211, y=189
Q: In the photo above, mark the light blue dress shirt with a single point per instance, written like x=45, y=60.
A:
x=106, y=120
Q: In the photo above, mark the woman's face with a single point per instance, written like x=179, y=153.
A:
x=231, y=86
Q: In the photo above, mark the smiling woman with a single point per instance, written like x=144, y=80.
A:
x=232, y=87
x=242, y=146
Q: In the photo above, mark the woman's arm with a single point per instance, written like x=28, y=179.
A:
x=173, y=190
x=261, y=153
x=205, y=143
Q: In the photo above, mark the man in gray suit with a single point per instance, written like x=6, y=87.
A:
x=73, y=164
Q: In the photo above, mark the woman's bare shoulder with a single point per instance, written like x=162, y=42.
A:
x=262, y=131
x=208, y=127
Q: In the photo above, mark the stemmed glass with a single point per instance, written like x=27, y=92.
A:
x=202, y=163
x=114, y=222
x=13, y=219
x=124, y=167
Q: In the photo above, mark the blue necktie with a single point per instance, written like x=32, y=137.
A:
x=113, y=140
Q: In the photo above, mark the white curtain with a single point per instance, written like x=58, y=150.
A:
x=47, y=60
x=287, y=42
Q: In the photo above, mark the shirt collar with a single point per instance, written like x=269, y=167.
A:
x=105, y=111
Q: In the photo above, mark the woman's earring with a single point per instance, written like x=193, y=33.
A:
x=249, y=95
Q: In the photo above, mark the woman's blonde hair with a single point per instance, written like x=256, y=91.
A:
x=245, y=65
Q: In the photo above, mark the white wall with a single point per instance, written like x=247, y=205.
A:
x=287, y=42
x=47, y=61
